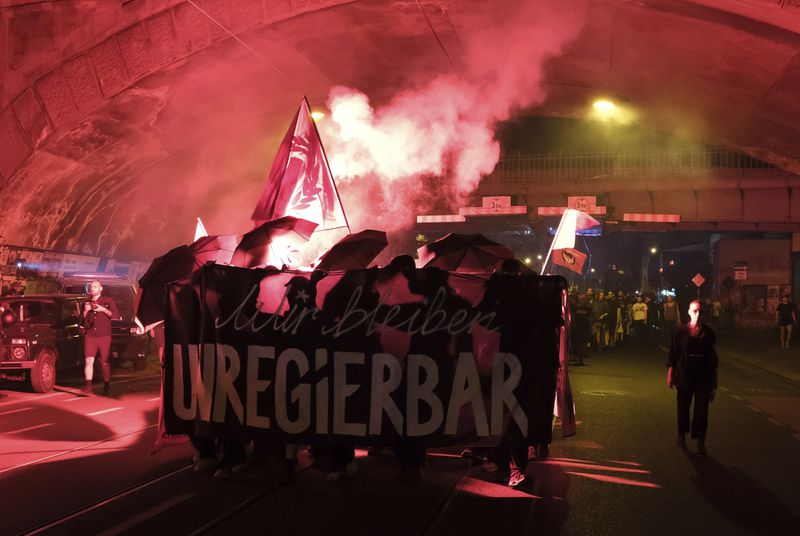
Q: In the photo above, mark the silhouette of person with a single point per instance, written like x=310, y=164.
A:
x=692, y=369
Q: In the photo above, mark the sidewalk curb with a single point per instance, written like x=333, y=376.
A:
x=793, y=378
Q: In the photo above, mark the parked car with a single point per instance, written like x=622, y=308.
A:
x=41, y=336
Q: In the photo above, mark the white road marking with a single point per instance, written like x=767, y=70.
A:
x=104, y=411
x=725, y=389
x=737, y=397
x=77, y=398
x=31, y=399
x=751, y=407
x=29, y=428
x=16, y=411
x=774, y=421
x=147, y=514
x=153, y=399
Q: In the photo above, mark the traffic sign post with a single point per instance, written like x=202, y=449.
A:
x=698, y=280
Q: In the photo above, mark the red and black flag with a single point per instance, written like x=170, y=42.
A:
x=570, y=258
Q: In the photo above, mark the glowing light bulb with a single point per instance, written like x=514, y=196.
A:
x=527, y=260
x=604, y=105
x=316, y=116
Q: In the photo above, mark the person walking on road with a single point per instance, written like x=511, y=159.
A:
x=692, y=370
x=672, y=318
x=786, y=318
x=639, y=314
x=97, y=315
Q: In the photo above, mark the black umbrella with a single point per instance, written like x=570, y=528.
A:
x=465, y=253
x=354, y=251
x=214, y=248
x=173, y=265
x=176, y=264
x=269, y=243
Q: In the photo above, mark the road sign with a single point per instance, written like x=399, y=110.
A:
x=740, y=275
x=698, y=280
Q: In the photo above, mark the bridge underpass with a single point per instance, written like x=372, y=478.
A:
x=708, y=190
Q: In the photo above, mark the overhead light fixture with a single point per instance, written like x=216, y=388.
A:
x=604, y=106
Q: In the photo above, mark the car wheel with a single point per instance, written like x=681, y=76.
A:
x=43, y=373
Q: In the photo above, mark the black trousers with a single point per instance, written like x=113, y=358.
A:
x=699, y=423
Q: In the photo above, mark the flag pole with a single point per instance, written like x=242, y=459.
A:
x=550, y=250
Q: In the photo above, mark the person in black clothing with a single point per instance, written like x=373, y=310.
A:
x=97, y=315
x=692, y=369
x=581, y=328
x=785, y=317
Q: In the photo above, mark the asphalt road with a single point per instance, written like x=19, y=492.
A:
x=84, y=466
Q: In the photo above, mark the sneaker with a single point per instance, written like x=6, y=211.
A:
x=106, y=388
x=471, y=457
x=701, y=448
x=516, y=479
x=204, y=465
x=223, y=473
x=489, y=467
x=87, y=390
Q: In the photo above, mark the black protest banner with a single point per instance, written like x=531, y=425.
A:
x=363, y=356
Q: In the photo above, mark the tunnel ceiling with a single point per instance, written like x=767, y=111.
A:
x=123, y=120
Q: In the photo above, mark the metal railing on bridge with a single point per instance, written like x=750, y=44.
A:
x=649, y=164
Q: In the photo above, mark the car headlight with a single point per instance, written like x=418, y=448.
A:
x=18, y=352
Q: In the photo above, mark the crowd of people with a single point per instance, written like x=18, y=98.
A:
x=605, y=319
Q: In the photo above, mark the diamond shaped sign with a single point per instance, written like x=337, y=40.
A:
x=698, y=280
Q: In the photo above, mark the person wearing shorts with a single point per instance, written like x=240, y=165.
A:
x=785, y=317
x=98, y=312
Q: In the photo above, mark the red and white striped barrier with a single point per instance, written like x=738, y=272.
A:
x=492, y=211
x=652, y=218
x=558, y=211
x=441, y=218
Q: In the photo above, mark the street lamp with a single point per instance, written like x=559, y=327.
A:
x=646, y=266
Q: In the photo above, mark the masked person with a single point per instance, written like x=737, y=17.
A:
x=692, y=370
x=97, y=315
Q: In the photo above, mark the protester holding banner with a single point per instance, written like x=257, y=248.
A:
x=243, y=363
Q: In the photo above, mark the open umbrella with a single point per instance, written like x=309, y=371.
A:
x=354, y=251
x=214, y=248
x=471, y=253
x=272, y=242
x=176, y=264
x=173, y=265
